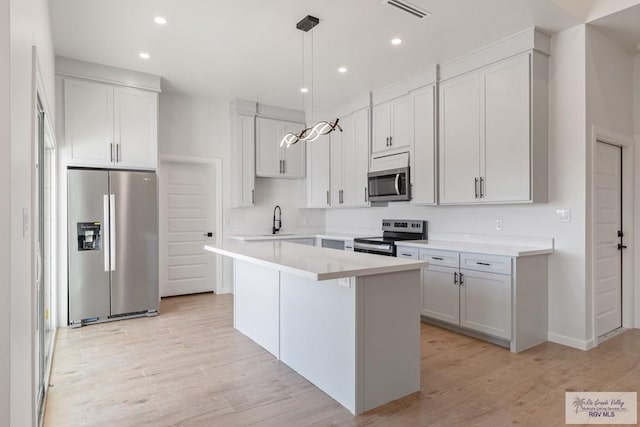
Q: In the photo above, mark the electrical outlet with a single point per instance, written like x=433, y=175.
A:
x=499, y=224
x=563, y=215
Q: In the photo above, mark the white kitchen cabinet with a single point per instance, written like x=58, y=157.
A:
x=350, y=161
x=502, y=298
x=110, y=126
x=440, y=293
x=243, y=160
x=88, y=122
x=136, y=127
x=423, y=143
x=459, y=132
x=272, y=160
x=493, y=133
x=318, y=172
x=485, y=302
x=391, y=125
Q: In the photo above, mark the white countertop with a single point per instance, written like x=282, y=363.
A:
x=478, y=247
x=315, y=262
x=289, y=236
x=271, y=237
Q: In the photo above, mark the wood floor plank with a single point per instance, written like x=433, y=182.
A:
x=189, y=367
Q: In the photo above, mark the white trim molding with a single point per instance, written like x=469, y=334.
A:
x=571, y=342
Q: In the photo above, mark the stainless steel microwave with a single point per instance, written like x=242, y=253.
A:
x=389, y=185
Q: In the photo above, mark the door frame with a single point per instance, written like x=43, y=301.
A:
x=626, y=143
x=39, y=100
x=217, y=164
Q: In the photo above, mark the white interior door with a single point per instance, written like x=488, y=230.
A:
x=608, y=222
x=188, y=209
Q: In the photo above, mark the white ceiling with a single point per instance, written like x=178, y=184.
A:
x=623, y=26
x=251, y=48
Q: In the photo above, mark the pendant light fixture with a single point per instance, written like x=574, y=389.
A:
x=322, y=127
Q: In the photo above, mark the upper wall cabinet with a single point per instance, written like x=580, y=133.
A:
x=110, y=126
x=243, y=151
x=272, y=160
x=423, y=143
x=350, y=161
x=391, y=125
x=493, y=133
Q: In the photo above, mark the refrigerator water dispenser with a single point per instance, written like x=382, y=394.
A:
x=89, y=236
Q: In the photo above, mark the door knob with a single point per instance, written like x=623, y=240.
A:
x=621, y=246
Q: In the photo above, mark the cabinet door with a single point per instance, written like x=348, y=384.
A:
x=348, y=162
x=337, y=147
x=440, y=294
x=318, y=172
x=400, y=123
x=506, y=141
x=459, y=131
x=381, y=127
x=88, y=122
x=361, y=138
x=136, y=128
x=268, y=157
x=243, y=158
x=485, y=303
x=294, y=156
x=423, y=136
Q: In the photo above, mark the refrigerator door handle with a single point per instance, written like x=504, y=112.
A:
x=105, y=231
x=112, y=230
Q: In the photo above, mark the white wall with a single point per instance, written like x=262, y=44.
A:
x=609, y=107
x=567, y=191
x=199, y=127
x=590, y=10
x=636, y=130
x=29, y=26
x=5, y=215
x=636, y=94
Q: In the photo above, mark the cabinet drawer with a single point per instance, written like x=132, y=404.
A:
x=443, y=258
x=488, y=263
x=407, y=252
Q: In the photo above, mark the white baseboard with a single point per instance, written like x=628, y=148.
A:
x=571, y=342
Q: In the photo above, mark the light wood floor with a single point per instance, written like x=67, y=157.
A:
x=189, y=367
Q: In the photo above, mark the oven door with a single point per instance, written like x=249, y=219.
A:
x=373, y=248
x=389, y=185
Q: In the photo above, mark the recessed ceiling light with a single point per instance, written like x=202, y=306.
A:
x=396, y=41
x=342, y=70
x=144, y=55
x=304, y=90
x=159, y=20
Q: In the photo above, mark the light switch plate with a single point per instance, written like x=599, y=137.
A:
x=563, y=215
x=499, y=224
x=26, y=221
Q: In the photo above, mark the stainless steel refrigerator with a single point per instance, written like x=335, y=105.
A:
x=113, y=245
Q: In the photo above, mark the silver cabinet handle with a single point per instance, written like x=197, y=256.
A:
x=390, y=141
x=111, y=149
x=483, y=263
x=476, y=186
x=455, y=277
x=118, y=153
x=253, y=196
x=105, y=231
x=481, y=187
x=461, y=279
x=284, y=166
x=328, y=201
x=366, y=195
x=397, y=184
x=112, y=231
x=387, y=141
x=438, y=258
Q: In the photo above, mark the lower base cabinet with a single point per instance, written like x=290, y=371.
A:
x=497, y=296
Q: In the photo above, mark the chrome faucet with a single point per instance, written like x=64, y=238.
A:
x=274, y=230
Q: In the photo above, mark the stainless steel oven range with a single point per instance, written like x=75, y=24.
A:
x=393, y=230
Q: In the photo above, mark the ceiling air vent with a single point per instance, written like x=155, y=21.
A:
x=408, y=7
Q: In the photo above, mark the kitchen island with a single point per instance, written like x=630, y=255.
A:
x=347, y=322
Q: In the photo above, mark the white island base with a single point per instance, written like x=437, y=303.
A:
x=357, y=338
